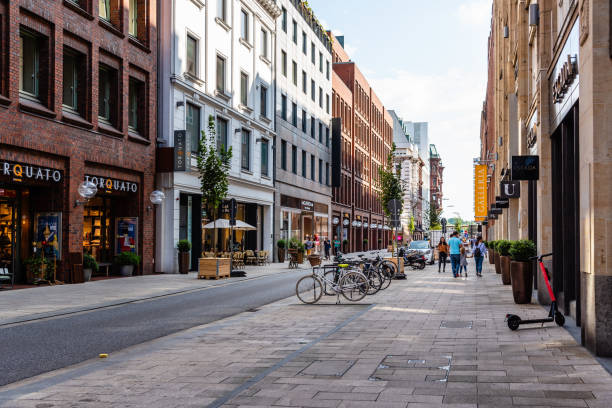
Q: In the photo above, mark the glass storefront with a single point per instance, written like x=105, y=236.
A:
x=252, y=214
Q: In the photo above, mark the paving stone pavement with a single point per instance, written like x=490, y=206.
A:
x=428, y=341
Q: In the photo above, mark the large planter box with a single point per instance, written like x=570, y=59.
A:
x=522, y=281
x=214, y=268
x=183, y=261
x=497, y=264
x=491, y=256
x=504, y=262
x=400, y=270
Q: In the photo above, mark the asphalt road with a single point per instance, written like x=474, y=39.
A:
x=36, y=347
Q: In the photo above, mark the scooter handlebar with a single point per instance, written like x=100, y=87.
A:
x=539, y=257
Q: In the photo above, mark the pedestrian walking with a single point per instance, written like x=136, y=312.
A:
x=455, y=252
x=442, y=254
x=327, y=246
x=336, y=245
x=463, y=259
x=479, y=251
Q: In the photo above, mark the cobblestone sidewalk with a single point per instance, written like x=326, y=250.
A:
x=429, y=341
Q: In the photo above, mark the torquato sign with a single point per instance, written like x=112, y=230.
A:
x=24, y=172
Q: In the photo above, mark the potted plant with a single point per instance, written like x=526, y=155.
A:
x=300, y=253
x=521, y=271
x=490, y=251
x=127, y=261
x=496, y=259
x=183, y=246
x=34, y=269
x=503, y=248
x=345, y=244
x=89, y=267
x=281, y=244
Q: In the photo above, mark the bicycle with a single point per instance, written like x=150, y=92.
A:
x=375, y=279
x=352, y=285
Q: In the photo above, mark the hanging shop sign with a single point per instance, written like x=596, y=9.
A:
x=510, y=189
x=525, y=168
x=495, y=210
x=109, y=185
x=492, y=216
x=480, y=191
x=20, y=172
x=501, y=202
x=180, y=146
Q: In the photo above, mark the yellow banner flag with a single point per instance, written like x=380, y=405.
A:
x=480, y=191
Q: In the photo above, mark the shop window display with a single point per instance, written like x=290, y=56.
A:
x=97, y=229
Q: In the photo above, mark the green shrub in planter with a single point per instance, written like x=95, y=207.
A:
x=301, y=248
x=486, y=244
x=89, y=262
x=127, y=258
x=503, y=247
x=522, y=250
x=281, y=243
x=184, y=245
x=294, y=243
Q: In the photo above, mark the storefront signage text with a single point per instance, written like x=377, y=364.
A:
x=480, y=191
x=564, y=79
x=20, y=171
x=510, y=189
x=525, y=167
x=111, y=185
x=307, y=205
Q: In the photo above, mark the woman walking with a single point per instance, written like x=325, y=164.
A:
x=479, y=251
x=442, y=254
x=463, y=260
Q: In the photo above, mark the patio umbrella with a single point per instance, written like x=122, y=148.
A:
x=224, y=223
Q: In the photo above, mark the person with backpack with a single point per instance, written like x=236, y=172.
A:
x=480, y=250
x=455, y=252
x=442, y=253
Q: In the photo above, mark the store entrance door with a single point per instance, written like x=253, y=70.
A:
x=8, y=232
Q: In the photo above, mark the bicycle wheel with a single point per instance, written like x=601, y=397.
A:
x=375, y=280
x=390, y=266
x=329, y=277
x=387, y=274
x=354, y=286
x=309, y=289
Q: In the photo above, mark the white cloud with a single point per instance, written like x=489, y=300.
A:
x=475, y=13
x=451, y=103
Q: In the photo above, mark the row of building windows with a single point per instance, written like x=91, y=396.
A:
x=323, y=173
x=304, y=122
x=110, y=11
x=313, y=85
x=313, y=52
x=36, y=83
x=194, y=135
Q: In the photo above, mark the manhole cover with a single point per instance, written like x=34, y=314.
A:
x=328, y=368
x=456, y=324
x=411, y=368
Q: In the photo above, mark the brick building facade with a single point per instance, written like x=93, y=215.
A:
x=78, y=102
x=367, y=132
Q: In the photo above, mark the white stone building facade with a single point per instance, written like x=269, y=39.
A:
x=216, y=60
x=303, y=126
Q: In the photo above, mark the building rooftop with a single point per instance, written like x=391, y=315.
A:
x=308, y=15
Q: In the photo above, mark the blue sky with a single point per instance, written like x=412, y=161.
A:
x=428, y=61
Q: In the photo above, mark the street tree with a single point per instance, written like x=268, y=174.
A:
x=390, y=183
x=433, y=217
x=213, y=169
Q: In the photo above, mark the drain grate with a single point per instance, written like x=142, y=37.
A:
x=456, y=324
x=412, y=368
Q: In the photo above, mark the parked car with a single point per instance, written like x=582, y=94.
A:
x=424, y=248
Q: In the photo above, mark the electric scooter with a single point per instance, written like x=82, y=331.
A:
x=554, y=315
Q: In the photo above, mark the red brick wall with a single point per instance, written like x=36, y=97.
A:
x=46, y=138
